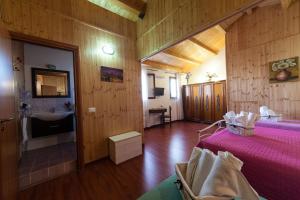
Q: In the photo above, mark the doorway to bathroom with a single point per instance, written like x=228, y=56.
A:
x=46, y=82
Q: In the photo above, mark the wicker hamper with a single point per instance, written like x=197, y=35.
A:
x=185, y=191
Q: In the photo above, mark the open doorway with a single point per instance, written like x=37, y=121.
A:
x=189, y=64
x=46, y=83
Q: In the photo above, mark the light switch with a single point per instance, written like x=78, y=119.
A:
x=92, y=110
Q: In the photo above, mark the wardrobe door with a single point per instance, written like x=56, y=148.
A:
x=208, y=102
x=219, y=100
x=187, y=105
x=196, y=101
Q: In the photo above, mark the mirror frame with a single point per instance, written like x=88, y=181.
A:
x=33, y=78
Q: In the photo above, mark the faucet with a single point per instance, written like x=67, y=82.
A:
x=52, y=109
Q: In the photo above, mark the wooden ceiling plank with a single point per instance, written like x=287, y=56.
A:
x=163, y=66
x=181, y=57
x=202, y=45
x=286, y=3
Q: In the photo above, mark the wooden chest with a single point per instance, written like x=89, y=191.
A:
x=125, y=146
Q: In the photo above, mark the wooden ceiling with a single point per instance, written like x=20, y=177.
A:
x=191, y=52
x=130, y=9
x=201, y=47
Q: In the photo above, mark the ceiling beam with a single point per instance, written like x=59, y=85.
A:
x=181, y=57
x=200, y=44
x=163, y=66
x=137, y=5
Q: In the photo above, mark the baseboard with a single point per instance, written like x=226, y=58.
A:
x=158, y=125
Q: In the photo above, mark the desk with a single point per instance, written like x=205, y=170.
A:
x=159, y=110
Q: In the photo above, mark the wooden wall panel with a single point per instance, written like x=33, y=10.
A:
x=80, y=23
x=170, y=21
x=268, y=34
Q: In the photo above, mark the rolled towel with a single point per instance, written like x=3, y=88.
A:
x=263, y=110
x=192, y=164
x=252, y=117
x=226, y=180
x=204, y=166
x=243, y=113
x=24, y=130
x=271, y=113
x=242, y=120
x=230, y=114
x=227, y=119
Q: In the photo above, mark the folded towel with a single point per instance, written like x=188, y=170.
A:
x=203, y=168
x=226, y=180
x=192, y=164
x=217, y=177
x=252, y=117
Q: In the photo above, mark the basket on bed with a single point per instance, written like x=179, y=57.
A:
x=240, y=130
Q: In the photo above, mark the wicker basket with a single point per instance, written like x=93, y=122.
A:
x=185, y=191
x=240, y=130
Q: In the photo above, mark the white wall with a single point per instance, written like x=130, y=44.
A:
x=162, y=81
x=36, y=56
x=216, y=64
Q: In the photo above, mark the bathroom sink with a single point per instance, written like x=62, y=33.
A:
x=49, y=116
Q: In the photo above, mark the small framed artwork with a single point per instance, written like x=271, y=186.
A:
x=109, y=74
x=284, y=70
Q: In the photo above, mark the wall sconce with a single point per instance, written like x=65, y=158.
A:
x=108, y=50
x=211, y=76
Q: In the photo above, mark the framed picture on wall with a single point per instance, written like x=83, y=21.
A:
x=284, y=70
x=109, y=74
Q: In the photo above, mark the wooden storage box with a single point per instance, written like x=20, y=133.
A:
x=125, y=146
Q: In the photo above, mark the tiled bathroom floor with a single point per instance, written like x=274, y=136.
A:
x=42, y=164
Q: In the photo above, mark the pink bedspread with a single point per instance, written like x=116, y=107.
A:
x=292, y=125
x=271, y=159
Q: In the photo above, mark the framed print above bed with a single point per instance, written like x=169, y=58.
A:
x=284, y=70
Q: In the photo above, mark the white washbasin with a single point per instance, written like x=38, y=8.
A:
x=49, y=116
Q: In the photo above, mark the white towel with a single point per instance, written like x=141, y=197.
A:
x=204, y=166
x=226, y=180
x=192, y=164
x=24, y=130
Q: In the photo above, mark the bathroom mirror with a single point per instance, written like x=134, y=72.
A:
x=48, y=83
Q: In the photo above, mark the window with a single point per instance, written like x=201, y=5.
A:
x=173, y=88
x=151, y=85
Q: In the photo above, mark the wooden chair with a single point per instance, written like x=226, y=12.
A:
x=167, y=117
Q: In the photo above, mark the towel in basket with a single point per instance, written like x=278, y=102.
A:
x=222, y=180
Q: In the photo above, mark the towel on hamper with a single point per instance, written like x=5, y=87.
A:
x=203, y=168
x=220, y=176
x=192, y=164
x=226, y=180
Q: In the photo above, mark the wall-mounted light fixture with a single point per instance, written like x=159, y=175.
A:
x=211, y=76
x=108, y=50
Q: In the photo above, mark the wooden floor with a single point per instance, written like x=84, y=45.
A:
x=164, y=146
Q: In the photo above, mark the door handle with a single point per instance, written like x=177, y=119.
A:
x=6, y=120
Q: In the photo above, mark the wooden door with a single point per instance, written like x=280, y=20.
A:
x=208, y=102
x=8, y=136
x=219, y=100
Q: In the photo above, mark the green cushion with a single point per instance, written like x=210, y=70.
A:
x=167, y=190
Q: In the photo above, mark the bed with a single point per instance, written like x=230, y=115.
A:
x=271, y=159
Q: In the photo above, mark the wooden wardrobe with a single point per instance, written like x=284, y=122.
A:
x=204, y=102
